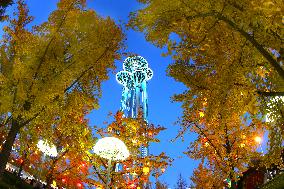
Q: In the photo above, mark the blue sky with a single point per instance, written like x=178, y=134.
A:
x=160, y=88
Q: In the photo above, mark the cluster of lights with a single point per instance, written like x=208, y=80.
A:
x=135, y=71
x=111, y=148
x=256, y=139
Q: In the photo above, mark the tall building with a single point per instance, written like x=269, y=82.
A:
x=134, y=78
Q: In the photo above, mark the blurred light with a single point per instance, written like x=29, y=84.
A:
x=146, y=170
x=258, y=139
x=206, y=144
x=79, y=185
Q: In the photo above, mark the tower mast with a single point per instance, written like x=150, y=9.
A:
x=134, y=78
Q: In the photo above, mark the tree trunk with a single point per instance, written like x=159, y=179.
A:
x=232, y=179
x=22, y=164
x=7, y=146
x=233, y=184
x=48, y=181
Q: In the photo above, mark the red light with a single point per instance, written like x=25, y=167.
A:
x=81, y=120
x=63, y=180
x=79, y=185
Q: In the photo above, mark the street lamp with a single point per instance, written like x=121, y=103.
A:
x=112, y=149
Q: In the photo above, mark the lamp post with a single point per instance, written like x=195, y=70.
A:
x=112, y=149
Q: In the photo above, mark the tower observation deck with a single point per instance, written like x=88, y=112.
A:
x=134, y=78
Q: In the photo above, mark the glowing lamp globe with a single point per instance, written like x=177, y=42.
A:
x=111, y=148
x=47, y=148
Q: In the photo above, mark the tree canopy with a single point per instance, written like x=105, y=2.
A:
x=53, y=70
x=229, y=55
x=136, y=170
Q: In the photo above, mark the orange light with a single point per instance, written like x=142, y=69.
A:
x=63, y=180
x=206, y=144
x=204, y=140
x=258, y=139
x=242, y=145
x=79, y=185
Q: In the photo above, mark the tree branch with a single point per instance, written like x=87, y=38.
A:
x=53, y=37
x=251, y=39
x=263, y=93
x=85, y=71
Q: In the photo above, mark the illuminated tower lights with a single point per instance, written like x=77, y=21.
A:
x=134, y=79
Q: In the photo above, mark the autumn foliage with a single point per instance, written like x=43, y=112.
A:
x=53, y=71
x=229, y=55
x=136, y=170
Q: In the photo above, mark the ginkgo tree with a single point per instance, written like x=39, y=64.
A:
x=136, y=170
x=249, y=27
x=54, y=68
x=229, y=54
x=72, y=138
x=224, y=118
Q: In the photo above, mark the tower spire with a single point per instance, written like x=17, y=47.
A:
x=134, y=78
